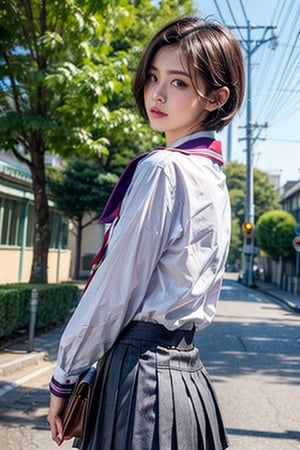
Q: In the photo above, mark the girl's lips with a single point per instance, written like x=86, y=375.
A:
x=157, y=113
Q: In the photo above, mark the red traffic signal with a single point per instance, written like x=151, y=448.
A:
x=247, y=228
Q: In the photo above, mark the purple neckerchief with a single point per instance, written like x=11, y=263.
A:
x=203, y=146
x=207, y=147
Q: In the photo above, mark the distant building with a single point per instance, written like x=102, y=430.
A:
x=290, y=198
x=275, y=180
x=17, y=227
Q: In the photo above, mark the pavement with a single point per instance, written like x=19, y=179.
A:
x=16, y=356
x=286, y=299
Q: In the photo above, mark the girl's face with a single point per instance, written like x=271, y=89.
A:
x=171, y=102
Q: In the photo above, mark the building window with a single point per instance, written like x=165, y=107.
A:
x=10, y=212
x=17, y=218
x=58, y=230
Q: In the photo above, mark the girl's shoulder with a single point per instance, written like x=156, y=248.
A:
x=160, y=157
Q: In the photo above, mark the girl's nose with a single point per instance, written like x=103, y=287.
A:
x=159, y=94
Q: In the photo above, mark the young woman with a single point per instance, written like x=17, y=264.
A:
x=161, y=274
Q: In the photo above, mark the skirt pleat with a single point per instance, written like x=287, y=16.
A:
x=151, y=396
x=165, y=409
x=125, y=394
x=145, y=408
x=198, y=411
x=204, y=402
x=185, y=418
x=220, y=438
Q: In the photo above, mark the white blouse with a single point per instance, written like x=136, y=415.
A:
x=164, y=262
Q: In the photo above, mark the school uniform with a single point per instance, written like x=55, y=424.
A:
x=158, y=283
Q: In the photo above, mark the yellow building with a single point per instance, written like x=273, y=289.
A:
x=17, y=228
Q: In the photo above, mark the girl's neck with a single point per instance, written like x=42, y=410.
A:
x=195, y=135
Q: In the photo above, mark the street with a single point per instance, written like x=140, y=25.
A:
x=252, y=352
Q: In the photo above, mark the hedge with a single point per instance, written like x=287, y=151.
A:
x=55, y=304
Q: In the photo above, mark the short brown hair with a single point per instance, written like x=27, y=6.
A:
x=213, y=55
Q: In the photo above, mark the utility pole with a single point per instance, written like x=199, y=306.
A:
x=250, y=47
x=229, y=143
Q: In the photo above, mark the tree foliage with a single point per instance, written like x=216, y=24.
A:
x=264, y=192
x=80, y=192
x=65, y=86
x=275, y=232
x=265, y=199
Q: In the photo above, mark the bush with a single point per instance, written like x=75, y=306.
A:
x=55, y=304
x=275, y=232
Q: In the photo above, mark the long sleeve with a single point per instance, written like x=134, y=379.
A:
x=118, y=288
x=164, y=262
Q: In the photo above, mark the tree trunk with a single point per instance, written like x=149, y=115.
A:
x=41, y=210
x=78, y=249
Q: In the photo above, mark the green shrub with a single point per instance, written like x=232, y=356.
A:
x=55, y=304
x=10, y=311
x=275, y=232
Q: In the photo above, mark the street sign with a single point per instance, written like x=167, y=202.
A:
x=297, y=229
x=296, y=243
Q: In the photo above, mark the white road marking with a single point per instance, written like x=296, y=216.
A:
x=10, y=387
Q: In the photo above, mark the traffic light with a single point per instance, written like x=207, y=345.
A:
x=247, y=228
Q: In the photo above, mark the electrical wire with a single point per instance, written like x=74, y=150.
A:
x=234, y=20
x=219, y=11
x=284, y=76
x=285, y=71
x=243, y=10
x=264, y=63
x=232, y=15
x=275, y=77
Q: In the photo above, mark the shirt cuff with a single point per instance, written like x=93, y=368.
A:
x=60, y=390
x=63, y=378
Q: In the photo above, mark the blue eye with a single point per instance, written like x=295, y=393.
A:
x=179, y=83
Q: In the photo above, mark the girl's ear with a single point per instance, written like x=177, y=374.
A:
x=217, y=99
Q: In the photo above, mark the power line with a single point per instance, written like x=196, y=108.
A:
x=234, y=20
x=219, y=11
x=286, y=66
x=276, y=105
x=291, y=141
x=222, y=17
x=278, y=10
x=243, y=10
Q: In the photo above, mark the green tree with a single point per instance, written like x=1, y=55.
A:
x=264, y=192
x=80, y=192
x=42, y=45
x=235, y=250
x=275, y=232
x=265, y=199
x=65, y=85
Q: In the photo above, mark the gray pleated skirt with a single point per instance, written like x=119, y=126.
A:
x=153, y=393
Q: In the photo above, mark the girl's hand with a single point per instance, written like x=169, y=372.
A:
x=56, y=408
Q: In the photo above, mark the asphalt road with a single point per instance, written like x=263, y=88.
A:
x=252, y=352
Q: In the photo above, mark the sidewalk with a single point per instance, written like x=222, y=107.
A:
x=16, y=357
x=285, y=298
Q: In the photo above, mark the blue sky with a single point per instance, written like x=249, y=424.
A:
x=275, y=82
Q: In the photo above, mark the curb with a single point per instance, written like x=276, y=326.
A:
x=17, y=361
x=283, y=301
x=16, y=357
